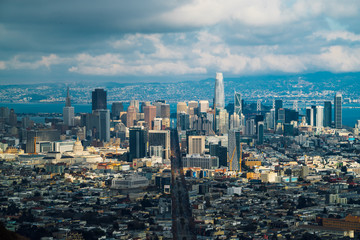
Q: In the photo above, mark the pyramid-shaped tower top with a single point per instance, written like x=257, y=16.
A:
x=67, y=101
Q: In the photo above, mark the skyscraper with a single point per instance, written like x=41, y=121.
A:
x=319, y=116
x=99, y=99
x=138, y=142
x=131, y=116
x=234, y=138
x=68, y=111
x=116, y=109
x=160, y=138
x=196, y=145
x=338, y=110
x=149, y=115
x=278, y=104
x=219, y=97
x=260, y=132
x=203, y=106
x=237, y=103
x=104, y=124
x=327, y=114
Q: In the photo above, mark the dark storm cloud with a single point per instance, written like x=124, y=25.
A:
x=163, y=38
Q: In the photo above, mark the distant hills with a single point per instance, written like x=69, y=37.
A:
x=321, y=85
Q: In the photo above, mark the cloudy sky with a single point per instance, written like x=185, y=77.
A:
x=50, y=40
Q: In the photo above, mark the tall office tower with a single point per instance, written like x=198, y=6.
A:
x=138, y=142
x=104, y=124
x=327, y=114
x=272, y=119
x=278, y=104
x=181, y=107
x=202, y=125
x=68, y=111
x=203, y=106
x=281, y=115
x=144, y=104
x=235, y=121
x=313, y=107
x=149, y=115
x=196, y=145
x=99, y=99
x=309, y=116
x=12, y=118
x=160, y=138
x=260, y=133
x=319, y=116
x=131, y=116
x=338, y=110
x=184, y=121
x=250, y=127
x=116, y=109
x=135, y=104
x=221, y=121
x=219, y=97
x=234, y=138
x=158, y=104
x=237, y=103
x=165, y=111
x=157, y=124
x=193, y=107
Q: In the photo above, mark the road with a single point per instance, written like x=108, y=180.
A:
x=182, y=221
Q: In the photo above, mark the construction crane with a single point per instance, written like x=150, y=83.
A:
x=232, y=158
x=35, y=146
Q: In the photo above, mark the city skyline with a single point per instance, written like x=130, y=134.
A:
x=53, y=42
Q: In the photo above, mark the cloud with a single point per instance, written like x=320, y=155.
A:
x=336, y=35
x=177, y=38
x=45, y=61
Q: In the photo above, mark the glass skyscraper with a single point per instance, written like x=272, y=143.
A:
x=219, y=97
x=338, y=110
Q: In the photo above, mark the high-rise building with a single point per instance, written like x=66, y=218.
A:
x=221, y=121
x=103, y=124
x=12, y=118
x=219, y=97
x=338, y=110
x=193, y=107
x=99, y=99
x=116, y=109
x=138, y=142
x=327, y=114
x=131, y=116
x=237, y=103
x=278, y=104
x=234, y=121
x=260, y=132
x=196, y=145
x=158, y=104
x=160, y=138
x=68, y=111
x=144, y=104
x=234, y=138
x=184, y=121
x=310, y=116
x=157, y=123
x=250, y=127
x=203, y=106
x=314, y=115
x=135, y=104
x=149, y=115
x=181, y=107
x=165, y=111
x=319, y=116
